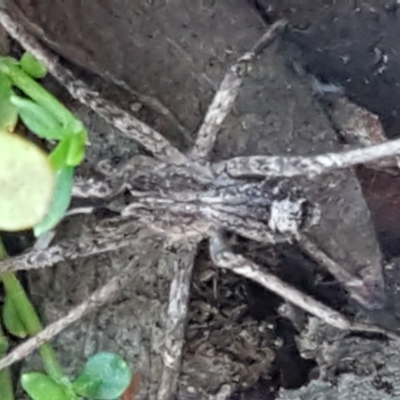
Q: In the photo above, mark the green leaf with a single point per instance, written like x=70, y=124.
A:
x=12, y=320
x=32, y=66
x=77, y=146
x=105, y=376
x=58, y=157
x=37, y=119
x=3, y=343
x=5, y=87
x=26, y=181
x=41, y=387
x=77, y=137
x=8, y=112
x=69, y=151
x=8, y=116
x=60, y=202
x=35, y=91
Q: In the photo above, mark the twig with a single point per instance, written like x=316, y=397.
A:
x=96, y=299
x=238, y=264
x=176, y=319
x=124, y=121
x=282, y=166
x=226, y=95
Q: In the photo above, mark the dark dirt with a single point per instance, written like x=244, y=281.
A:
x=179, y=53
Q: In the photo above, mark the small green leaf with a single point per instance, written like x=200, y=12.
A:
x=3, y=344
x=76, y=150
x=58, y=157
x=8, y=116
x=26, y=183
x=104, y=377
x=11, y=319
x=5, y=87
x=8, y=112
x=60, y=202
x=32, y=66
x=42, y=387
x=37, y=119
x=35, y=91
x=6, y=63
x=69, y=151
x=77, y=137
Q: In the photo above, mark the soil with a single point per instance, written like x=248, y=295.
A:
x=239, y=346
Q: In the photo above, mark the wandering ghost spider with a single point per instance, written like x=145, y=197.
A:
x=187, y=198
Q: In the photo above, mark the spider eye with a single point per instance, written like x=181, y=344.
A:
x=116, y=160
x=311, y=215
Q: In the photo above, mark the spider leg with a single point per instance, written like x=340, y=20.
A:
x=117, y=178
x=290, y=166
x=92, y=188
x=224, y=258
x=176, y=318
x=130, y=126
x=368, y=290
x=71, y=249
x=137, y=162
x=226, y=95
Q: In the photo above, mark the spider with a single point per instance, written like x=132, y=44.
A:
x=186, y=198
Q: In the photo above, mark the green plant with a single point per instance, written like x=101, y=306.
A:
x=45, y=116
x=37, y=192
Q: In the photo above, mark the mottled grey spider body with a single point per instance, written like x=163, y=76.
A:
x=173, y=200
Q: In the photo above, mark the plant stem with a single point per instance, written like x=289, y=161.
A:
x=30, y=319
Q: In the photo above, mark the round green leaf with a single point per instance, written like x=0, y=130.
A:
x=26, y=182
x=37, y=118
x=32, y=66
x=11, y=319
x=42, y=387
x=105, y=376
x=60, y=202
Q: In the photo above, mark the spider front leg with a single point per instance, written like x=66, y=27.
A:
x=92, y=188
x=311, y=166
x=226, y=259
x=226, y=95
x=116, y=178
